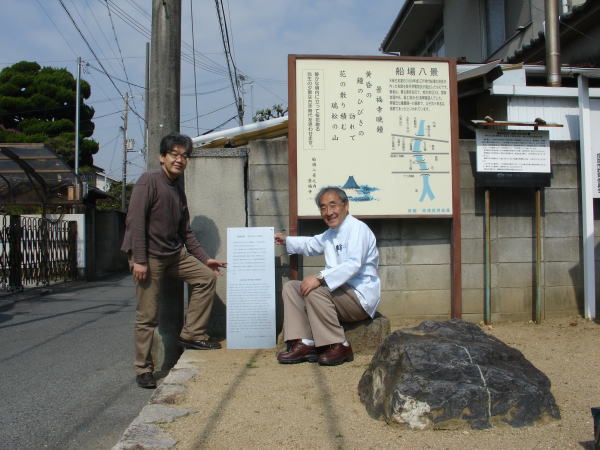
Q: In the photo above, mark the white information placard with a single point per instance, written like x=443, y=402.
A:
x=379, y=129
x=250, y=288
x=595, y=141
x=513, y=151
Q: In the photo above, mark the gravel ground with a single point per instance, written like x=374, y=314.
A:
x=247, y=400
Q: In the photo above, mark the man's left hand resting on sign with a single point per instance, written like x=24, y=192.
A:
x=215, y=265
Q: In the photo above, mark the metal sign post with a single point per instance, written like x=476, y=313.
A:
x=500, y=156
x=587, y=198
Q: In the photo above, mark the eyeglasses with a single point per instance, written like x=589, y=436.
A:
x=175, y=155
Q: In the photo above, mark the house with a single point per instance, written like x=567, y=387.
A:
x=479, y=31
x=503, y=75
x=98, y=179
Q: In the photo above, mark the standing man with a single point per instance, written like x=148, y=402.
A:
x=346, y=290
x=159, y=240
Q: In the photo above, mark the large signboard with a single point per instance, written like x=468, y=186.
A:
x=380, y=128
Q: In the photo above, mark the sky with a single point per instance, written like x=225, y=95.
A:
x=261, y=33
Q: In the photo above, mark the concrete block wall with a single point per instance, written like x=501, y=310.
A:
x=268, y=201
x=215, y=184
x=109, y=230
x=562, y=249
x=415, y=253
x=512, y=246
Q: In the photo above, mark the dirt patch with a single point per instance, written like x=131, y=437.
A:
x=247, y=400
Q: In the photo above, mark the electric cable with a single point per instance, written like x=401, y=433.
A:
x=209, y=113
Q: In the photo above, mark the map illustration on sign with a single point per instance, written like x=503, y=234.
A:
x=378, y=129
x=422, y=157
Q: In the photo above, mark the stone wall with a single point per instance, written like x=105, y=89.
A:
x=415, y=253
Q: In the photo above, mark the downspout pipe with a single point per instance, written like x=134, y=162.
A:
x=552, y=44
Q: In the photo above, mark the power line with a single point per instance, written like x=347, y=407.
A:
x=271, y=92
x=89, y=46
x=133, y=108
x=213, y=67
x=220, y=125
x=95, y=55
x=100, y=28
x=82, y=22
x=112, y=24
x=56, y=26
x=208, y=113
x=109, y=114
x=206, y=93
x=229, y=59
x=139, y=8
x=129, y=83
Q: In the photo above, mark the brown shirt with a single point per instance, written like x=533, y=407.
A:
x=158, y=220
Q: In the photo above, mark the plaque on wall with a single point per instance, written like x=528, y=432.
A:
x=513, y=158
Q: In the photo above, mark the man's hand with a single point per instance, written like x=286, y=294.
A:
x=308, y=284
x=215, y=265
x=139, y=271
x=280, y=238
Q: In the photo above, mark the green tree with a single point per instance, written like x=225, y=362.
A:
x=269, y=113
x=115, y=191
x=37, y=104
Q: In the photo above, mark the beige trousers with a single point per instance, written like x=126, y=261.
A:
x=182, y=266
x=317, y=316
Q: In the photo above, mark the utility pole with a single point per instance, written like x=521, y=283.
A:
x=77, y=106
x=163, y=118
x=125, y=145
x=165, y=75
x=146, y=108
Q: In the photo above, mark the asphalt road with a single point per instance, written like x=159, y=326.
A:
x=66, y=370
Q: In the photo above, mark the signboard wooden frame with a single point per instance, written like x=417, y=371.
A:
x=407, y=153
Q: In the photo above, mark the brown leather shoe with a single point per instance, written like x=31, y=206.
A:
x=336, y=354
x=298, y=353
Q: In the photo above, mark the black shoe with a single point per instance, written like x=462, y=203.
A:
x=202, y=344
x=146, y=380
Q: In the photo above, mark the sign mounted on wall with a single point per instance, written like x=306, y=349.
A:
x=513, y=158
x=381, y=128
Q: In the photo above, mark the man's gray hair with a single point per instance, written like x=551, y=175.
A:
x=339, y=192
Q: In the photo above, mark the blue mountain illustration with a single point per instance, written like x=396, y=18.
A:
x=351, y=183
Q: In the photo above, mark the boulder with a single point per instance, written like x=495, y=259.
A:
x=367, y=335
x=452, y=375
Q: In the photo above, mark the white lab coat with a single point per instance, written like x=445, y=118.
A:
x=351, y=257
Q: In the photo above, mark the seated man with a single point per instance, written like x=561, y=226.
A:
x=347, y=290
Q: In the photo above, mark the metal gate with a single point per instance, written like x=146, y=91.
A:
x=36, y=251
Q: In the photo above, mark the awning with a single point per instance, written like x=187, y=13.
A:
x=32, y=174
